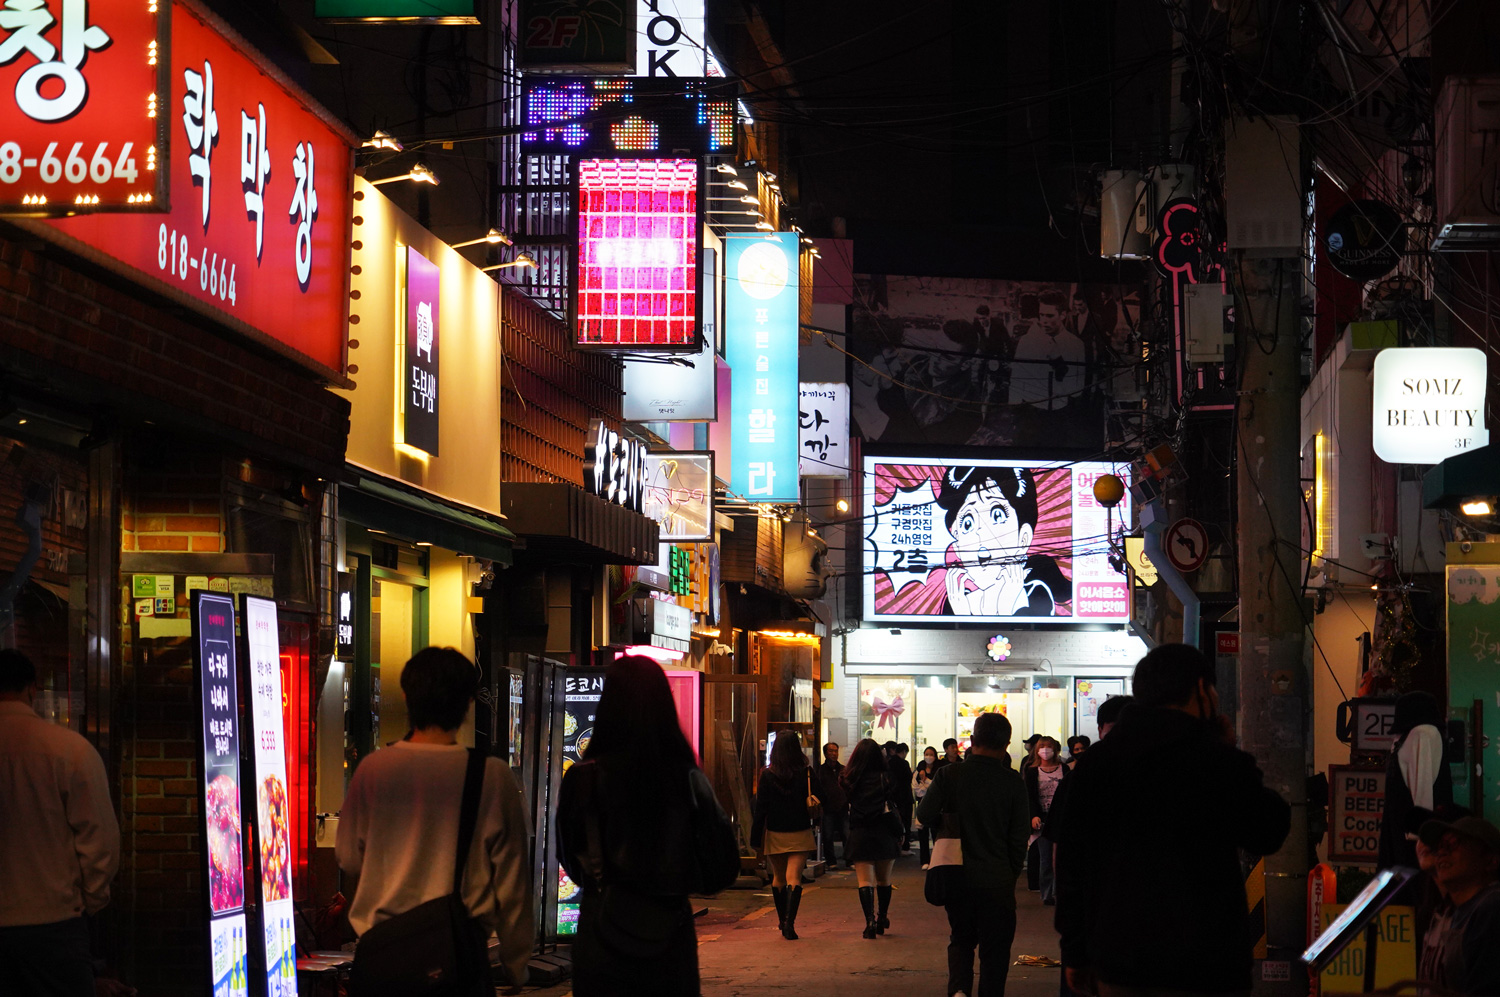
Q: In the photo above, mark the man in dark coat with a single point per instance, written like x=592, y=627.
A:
x=835, y=803
x=1125, y=927
x=902, y=798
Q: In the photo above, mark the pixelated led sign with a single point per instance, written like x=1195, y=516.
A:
x=989, y=540
x=629, y=114
x=80, y=82
x=258, y=234
x=638, y=243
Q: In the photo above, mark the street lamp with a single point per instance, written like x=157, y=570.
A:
x=521, y=260
x=494, y=237
x=420, y=173
x=382, y=140
x=1109, y=490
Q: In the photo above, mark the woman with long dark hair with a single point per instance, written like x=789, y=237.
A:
x=625, y=833
x=782, y=831
x=874, y=832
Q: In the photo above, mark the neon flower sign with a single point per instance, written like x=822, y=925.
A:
x=998, y=648
x=638, y=238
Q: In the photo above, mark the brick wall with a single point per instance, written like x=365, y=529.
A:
x=169, y=503
x=191, y=401
x=550, y=392
x=92, y=339
x=178, y=511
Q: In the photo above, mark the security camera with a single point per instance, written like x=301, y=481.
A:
x=1375, y=545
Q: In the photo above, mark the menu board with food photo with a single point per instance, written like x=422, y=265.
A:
x=581, y=691
x=223, y=829
x=273, y=850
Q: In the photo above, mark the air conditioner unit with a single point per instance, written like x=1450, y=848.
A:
x=1467, y=133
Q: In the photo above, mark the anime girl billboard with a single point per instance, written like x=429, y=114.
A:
x=992, y=541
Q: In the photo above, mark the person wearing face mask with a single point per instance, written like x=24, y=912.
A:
x=1044, y=776
x=921, y=779
x=1077, y=745
x=1116, y=913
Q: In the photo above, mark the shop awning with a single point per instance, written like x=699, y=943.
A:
x=564, y=523
x=377, y=505
x=1475, y=474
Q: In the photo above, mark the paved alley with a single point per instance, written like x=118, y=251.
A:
x=743, y=955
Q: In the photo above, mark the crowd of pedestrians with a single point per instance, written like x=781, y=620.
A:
x=434, y=841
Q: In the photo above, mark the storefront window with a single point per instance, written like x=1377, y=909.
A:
x=394, y=621
x=981, y=694
x=1051, y=702
x=1089, y=694
x=933, y=722
x=885, y=708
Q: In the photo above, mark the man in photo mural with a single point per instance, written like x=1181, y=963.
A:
x=1050, y=360
x=992, y=516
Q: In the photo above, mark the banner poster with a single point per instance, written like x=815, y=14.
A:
x=989, y=362
x=213, y=625
x=581, y=691
x=997, y=541
x=273, y=824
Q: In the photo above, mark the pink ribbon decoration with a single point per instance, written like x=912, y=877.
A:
x=888, y=713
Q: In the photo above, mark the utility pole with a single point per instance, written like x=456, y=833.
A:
x=1264, y=208
x=1273, y=679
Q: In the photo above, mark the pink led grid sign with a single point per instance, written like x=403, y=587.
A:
x=637, y=280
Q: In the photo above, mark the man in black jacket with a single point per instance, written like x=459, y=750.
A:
x=989, y=801
x=1167, y=781
x=835, y=804
x=899, y=772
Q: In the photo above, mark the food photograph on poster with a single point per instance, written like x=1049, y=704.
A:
x=226, y=868
x=275, y=845
x=989, y=540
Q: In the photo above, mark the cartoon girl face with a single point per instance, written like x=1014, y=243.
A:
x=988, y=535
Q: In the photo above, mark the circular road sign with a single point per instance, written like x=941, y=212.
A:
x=1187, y=545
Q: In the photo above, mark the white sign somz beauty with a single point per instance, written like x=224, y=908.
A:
x=1428, y=403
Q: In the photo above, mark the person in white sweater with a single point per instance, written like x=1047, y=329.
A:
x=400, y=818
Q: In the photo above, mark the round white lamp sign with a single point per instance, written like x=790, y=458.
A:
x=1428, y=403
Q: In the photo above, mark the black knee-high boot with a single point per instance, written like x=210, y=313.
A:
x=793, y=901
x=883, y=893
x=778, y=894
x=867, y=902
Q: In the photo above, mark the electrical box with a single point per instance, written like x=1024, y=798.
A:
x=1467, y=180
x=1121, y=237
x=1204, y=308
x=1263, y=195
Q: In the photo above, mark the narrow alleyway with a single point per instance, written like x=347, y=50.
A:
x=743, y=955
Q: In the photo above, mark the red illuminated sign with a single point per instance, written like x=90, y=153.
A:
x=258, y=234
x=638, y=235
x=79, y=123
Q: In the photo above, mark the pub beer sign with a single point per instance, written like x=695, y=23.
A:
x=1428, y=403
x=80, y=82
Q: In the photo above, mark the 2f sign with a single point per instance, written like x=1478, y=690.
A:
x=1428, y=403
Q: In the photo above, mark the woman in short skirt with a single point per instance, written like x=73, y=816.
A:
x=782, y=830
x=874, y=832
